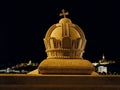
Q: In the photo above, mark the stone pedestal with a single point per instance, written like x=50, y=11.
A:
x=66, y=66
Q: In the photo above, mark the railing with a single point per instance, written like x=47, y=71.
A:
x=59, y=82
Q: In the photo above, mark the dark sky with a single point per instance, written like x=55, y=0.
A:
x=23, y=25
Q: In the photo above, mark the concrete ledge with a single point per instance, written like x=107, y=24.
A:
x=58, y=82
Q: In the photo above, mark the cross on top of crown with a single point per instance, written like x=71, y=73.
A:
x=64, y=13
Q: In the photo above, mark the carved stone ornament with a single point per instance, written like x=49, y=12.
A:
x=65, y=43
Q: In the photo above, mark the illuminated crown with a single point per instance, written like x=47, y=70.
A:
x=65, y=40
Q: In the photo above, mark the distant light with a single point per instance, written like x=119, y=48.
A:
x=102, y=69
x=95, y=64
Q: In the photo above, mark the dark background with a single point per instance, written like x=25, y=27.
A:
x=23, y=25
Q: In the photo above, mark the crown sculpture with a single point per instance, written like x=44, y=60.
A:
x=65, y=43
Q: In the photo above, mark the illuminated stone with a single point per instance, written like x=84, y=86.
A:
x=65, y=40
x=58, y=66
x=65, y=43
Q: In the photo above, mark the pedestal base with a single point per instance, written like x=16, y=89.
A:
x=66, y=66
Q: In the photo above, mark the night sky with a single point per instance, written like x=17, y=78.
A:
x=23, y=25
